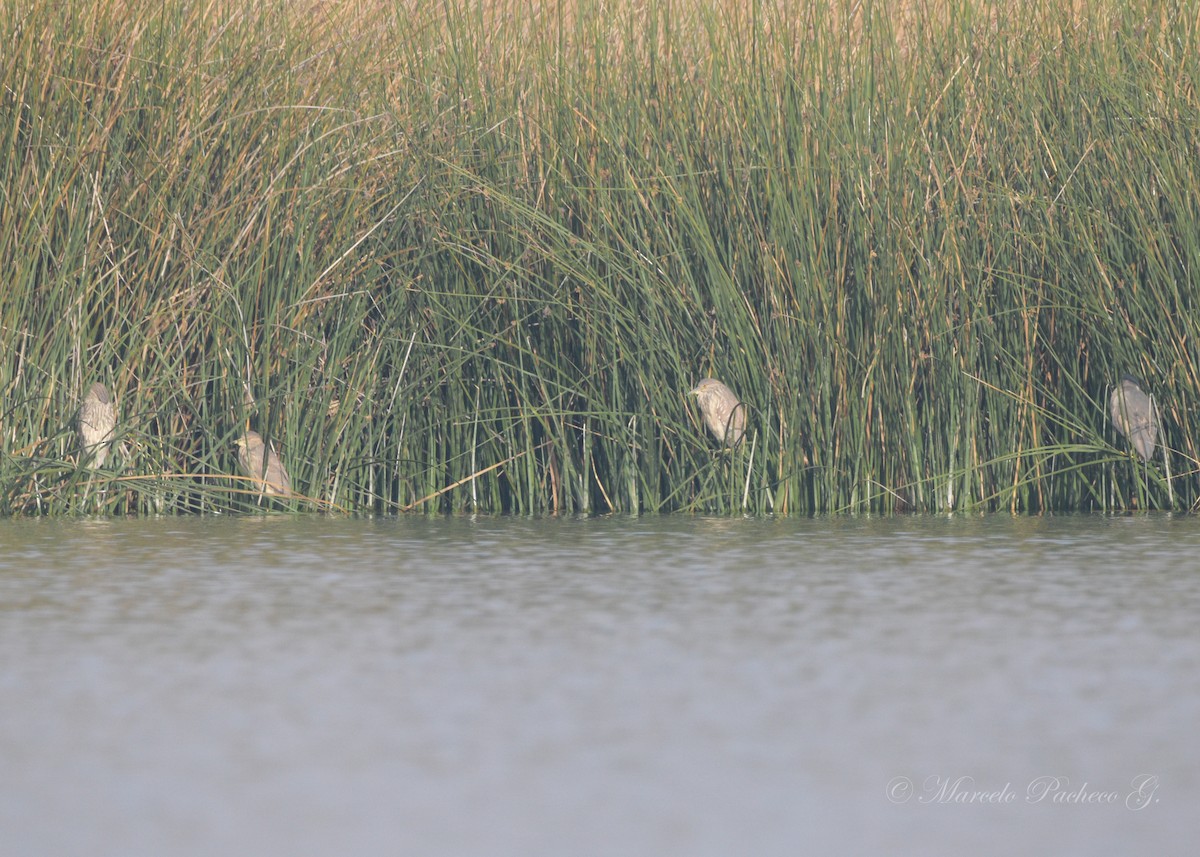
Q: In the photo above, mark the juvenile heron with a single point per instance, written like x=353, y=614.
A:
x=1134, y=416
x=724, y=413
x=263, y=465
x=95, y=424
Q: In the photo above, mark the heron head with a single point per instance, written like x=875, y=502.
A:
x=100, y=392
x=250, y=438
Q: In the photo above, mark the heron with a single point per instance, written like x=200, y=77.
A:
x=96, y=424
x=1134, y=415
x=724, y=413
x=262, y=465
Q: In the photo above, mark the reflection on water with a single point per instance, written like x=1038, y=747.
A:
x=669, y=685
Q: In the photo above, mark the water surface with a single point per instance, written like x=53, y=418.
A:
x=659, y=686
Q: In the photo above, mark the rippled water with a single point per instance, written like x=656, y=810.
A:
x=660, y=686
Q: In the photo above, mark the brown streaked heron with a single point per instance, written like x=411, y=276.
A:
x=1134, y=416
x=262, y=465
x=96, y=423
x=724, y=413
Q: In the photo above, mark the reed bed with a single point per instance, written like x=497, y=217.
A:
x=471, y=256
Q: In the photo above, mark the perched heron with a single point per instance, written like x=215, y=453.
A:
x=1134, y=415
x=724, y=413
x=263, y=465
x=96, y=423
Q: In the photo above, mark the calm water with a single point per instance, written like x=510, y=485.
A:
x=662, y=686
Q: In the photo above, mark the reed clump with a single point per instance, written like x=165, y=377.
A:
x=469, y=256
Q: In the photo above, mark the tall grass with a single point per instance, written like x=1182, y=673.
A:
x=471, y=256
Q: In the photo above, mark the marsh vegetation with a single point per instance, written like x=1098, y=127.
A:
x=464, y=256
